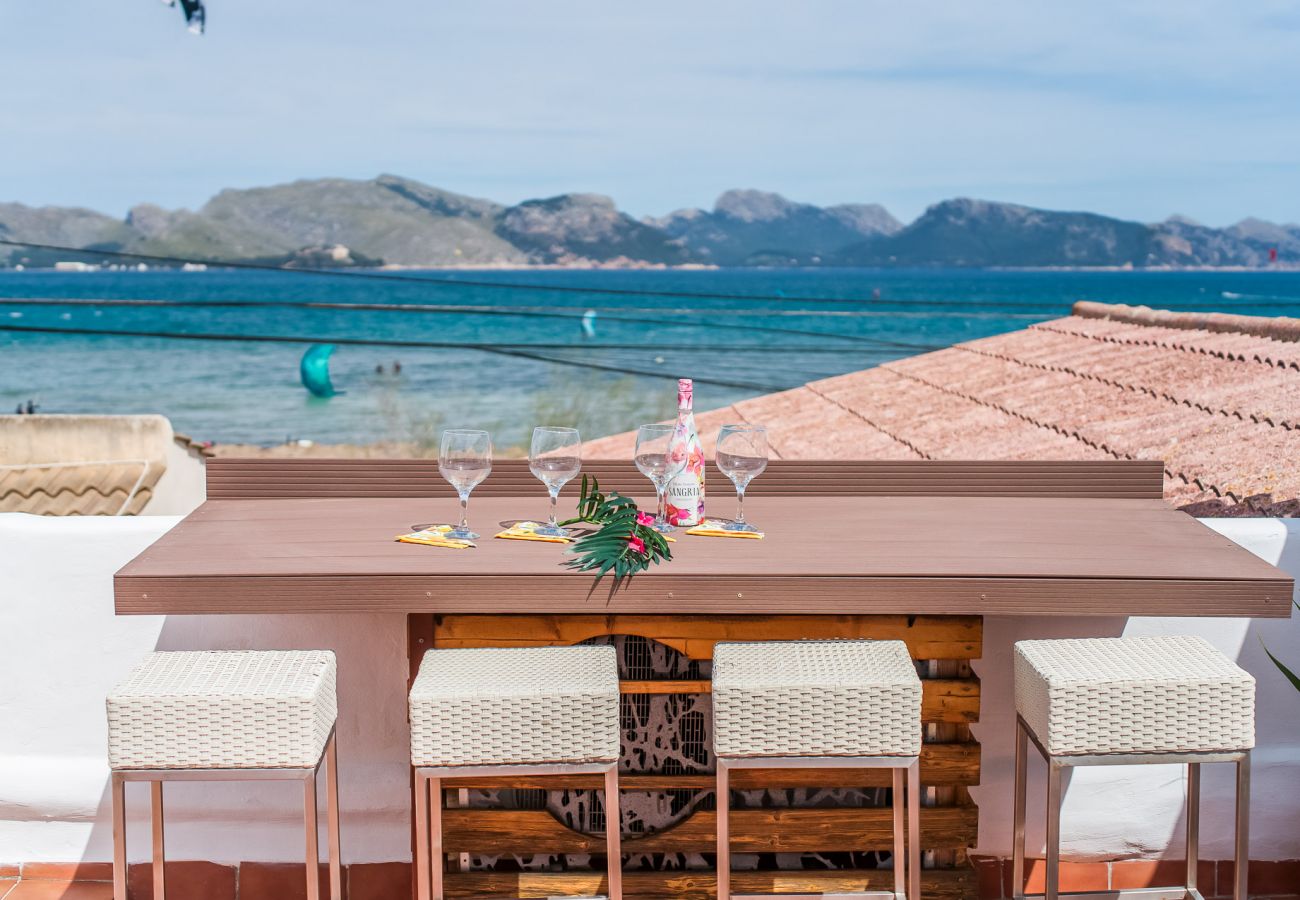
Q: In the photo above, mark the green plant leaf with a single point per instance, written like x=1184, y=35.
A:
x=1291, y=676
x=607, y=550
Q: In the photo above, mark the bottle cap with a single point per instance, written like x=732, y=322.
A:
x=685, y=395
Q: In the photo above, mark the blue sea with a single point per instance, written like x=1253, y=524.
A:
x=510, y=349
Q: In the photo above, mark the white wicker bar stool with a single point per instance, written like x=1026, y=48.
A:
x=1127, y=701
x=226, y=715
x=512, y=711
x=803, y=704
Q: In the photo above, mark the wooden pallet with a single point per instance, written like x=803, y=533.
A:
x=950, y=763
x=936, y=884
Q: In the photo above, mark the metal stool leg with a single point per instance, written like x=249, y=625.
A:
x=310, y=825
x=900, y=845
x=119, y=838
x=914, y=831
x=1018, y=817
x=436, y=856
x=1052, y=884
x=1243, y=828
x=613, y=834
x=332, y=818
x=1193, y=822
x=156, y=817
x=724, y=832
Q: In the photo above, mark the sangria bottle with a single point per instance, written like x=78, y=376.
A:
x=685, y=496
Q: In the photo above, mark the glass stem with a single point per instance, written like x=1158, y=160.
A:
x=661, y=493
x=464, y=512
x=740, y=506
x=555, y=496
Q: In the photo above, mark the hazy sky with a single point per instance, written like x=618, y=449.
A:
x=1132, y=108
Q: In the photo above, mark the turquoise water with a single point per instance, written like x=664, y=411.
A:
x=814, y=323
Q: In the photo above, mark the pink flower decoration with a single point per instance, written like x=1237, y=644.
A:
x=637, y=544
x=644, y=519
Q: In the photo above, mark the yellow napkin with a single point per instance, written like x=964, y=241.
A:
x=527, y=531
x=714, y=528
x=434, y=537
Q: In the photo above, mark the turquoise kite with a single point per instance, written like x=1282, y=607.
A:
x=315, y=370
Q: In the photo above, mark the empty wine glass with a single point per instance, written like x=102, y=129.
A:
x=742, y=457
x=555, y=457
x=465, y=460
x=655, y=463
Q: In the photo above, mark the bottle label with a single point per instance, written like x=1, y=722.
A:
x=685, y=495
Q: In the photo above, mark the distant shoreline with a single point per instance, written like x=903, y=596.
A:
x=237, y=265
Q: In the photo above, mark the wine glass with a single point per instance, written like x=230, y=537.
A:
x=656, y=463
x=555, y=457
x=465, y=460
x=742, y=457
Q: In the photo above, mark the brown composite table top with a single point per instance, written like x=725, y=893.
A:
x=822, y=554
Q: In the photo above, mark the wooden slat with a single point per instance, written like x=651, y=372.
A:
x=753, y=831
x=665, y=687
x=950, y=700
x=942, y=765
x=942, y=699
x=234, y=594
x=927, y=637
x=936, y=884
x=235, y=478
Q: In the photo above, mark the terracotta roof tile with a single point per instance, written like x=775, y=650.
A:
x=945, y=425
x=1281, y=328
x=1221, y=408
x=804, y=423
x=79, y=489
x=622, y=446
x=1226, y=387
x=81, y=465
x=1216, y=344
x=1239, y=458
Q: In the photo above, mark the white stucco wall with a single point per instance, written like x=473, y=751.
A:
x=183, y=485
x=63, y=649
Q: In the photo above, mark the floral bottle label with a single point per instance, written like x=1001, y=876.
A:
x=685, y=496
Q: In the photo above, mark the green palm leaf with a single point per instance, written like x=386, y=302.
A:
x=609, y=549
x=1291, y=676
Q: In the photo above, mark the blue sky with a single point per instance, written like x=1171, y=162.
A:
x=1136, y=109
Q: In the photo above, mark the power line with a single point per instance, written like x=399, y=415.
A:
x=516, y=312
x=511, y=350
x=434, y=281
x=482, y=345
x=568, y=289
x=498, y=285
x=479, y=307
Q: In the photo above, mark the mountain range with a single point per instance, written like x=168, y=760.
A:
x=397, y=221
